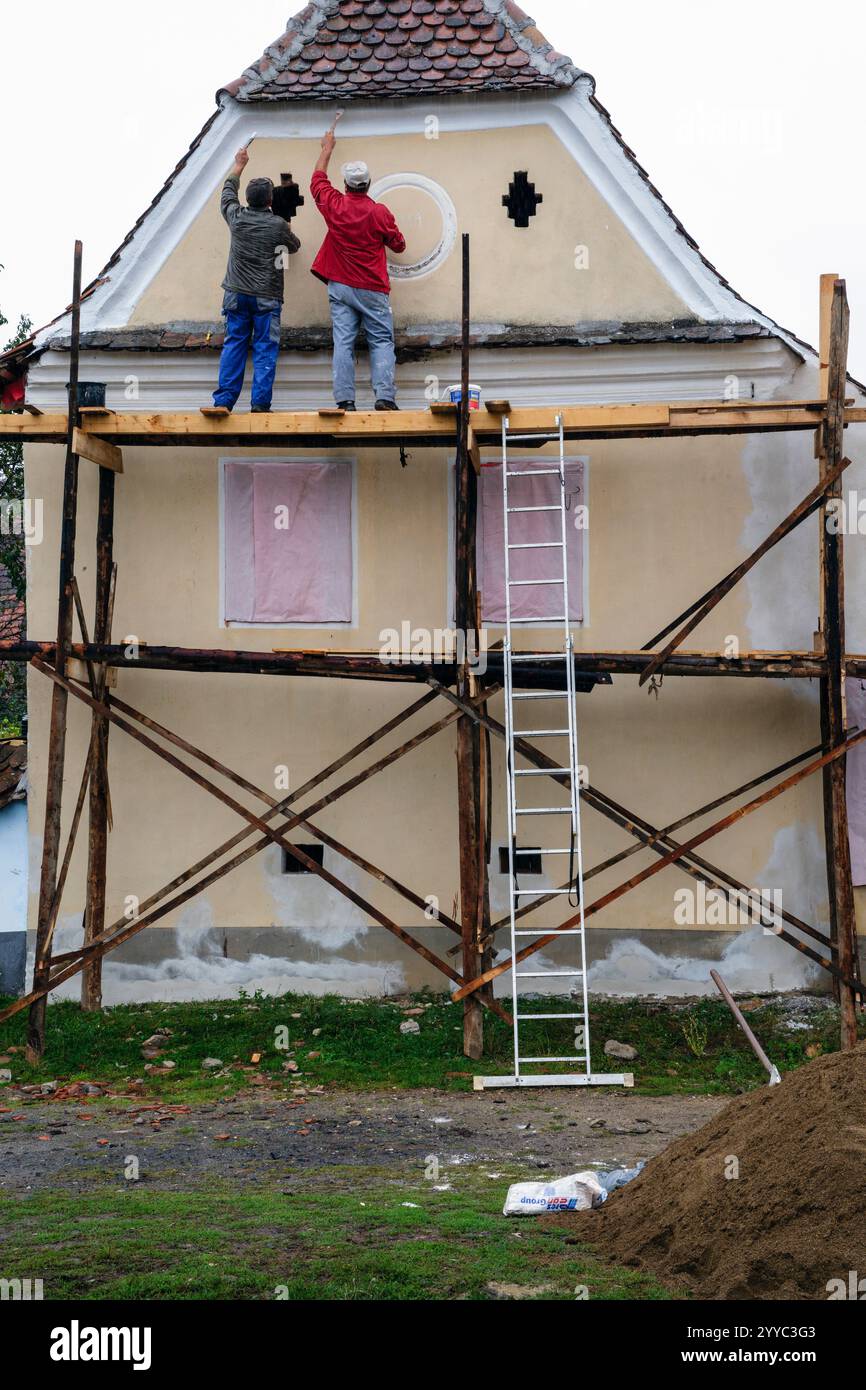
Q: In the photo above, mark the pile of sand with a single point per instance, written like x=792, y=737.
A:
x=792, y=1220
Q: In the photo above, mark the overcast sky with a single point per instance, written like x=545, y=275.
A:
x=748, y=115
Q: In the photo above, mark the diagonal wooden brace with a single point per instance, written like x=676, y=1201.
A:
x=275, y=836
x=714, y=596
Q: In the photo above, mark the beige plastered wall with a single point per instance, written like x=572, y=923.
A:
x=667, y=518
x=616, y=280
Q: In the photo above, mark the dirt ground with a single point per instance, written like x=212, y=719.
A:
x=69, y=1145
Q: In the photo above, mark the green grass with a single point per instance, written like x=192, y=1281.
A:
x=356, y=1242
x=361, y=1047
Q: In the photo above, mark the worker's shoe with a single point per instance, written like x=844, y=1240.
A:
x=387, y=405
x=261, y=410
x=346, y=405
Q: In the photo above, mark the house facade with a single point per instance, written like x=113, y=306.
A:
x=585, y=289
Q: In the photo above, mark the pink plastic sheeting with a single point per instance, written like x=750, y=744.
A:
x=856, y=692
x=288, y=542
x=528, y=527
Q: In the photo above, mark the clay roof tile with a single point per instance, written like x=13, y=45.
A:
x=374, y=46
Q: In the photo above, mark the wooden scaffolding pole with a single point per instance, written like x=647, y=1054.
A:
x=779, y=665
x=833, y=712
x=97, y=847
x=470, y=746
x=59, y=700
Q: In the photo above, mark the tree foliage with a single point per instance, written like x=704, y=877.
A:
x=13, y=684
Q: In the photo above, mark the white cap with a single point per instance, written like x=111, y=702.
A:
x=356, y=174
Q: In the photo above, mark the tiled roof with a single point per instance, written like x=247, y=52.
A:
x=12, y=622
x=13, y=770
x=344, y=50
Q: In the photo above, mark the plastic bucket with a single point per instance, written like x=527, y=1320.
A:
x=455, y=395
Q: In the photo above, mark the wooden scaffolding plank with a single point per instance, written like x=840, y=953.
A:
x=432, y=427
x=99, y=451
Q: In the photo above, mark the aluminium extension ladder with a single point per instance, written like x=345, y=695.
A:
x=558, y=720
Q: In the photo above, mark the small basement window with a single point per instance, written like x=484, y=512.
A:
x=294, y=866
x=524, y=862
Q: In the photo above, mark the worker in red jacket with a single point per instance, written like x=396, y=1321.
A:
x=353, y=265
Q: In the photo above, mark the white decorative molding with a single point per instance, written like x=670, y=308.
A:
x=419, y=270
x=763, y=367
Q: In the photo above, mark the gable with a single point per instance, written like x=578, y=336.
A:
x=574, y=261
x=506, y=103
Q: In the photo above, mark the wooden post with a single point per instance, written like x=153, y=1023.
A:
x=826, y=292
x=470, y=749
x=57, y=732
x=833, y=713
x=97, y=849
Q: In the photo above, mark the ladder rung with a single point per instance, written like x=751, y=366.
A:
x=525, y=438
x=543, y=892
x=545, y=622
x=541, y=695
x=546, y=974
x=543, y=811
x=539, y=656
x=534, y=473
x=576, y=1058
x=542, y=771
x=541, y=733
x=540, y=931
x=538, y=545
x=535, y=509
x=530, y=1018
x=526, y=583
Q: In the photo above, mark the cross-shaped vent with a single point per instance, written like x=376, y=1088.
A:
x=521, y=200
x=287, y=197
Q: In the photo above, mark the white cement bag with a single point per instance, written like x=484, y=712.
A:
x=580, y=1192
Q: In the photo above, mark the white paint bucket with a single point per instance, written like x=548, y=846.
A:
x=455, y=394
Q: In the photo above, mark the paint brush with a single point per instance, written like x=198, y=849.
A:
x=251, y=139
x=338, y=115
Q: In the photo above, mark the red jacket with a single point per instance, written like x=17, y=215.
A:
x=359, y=229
